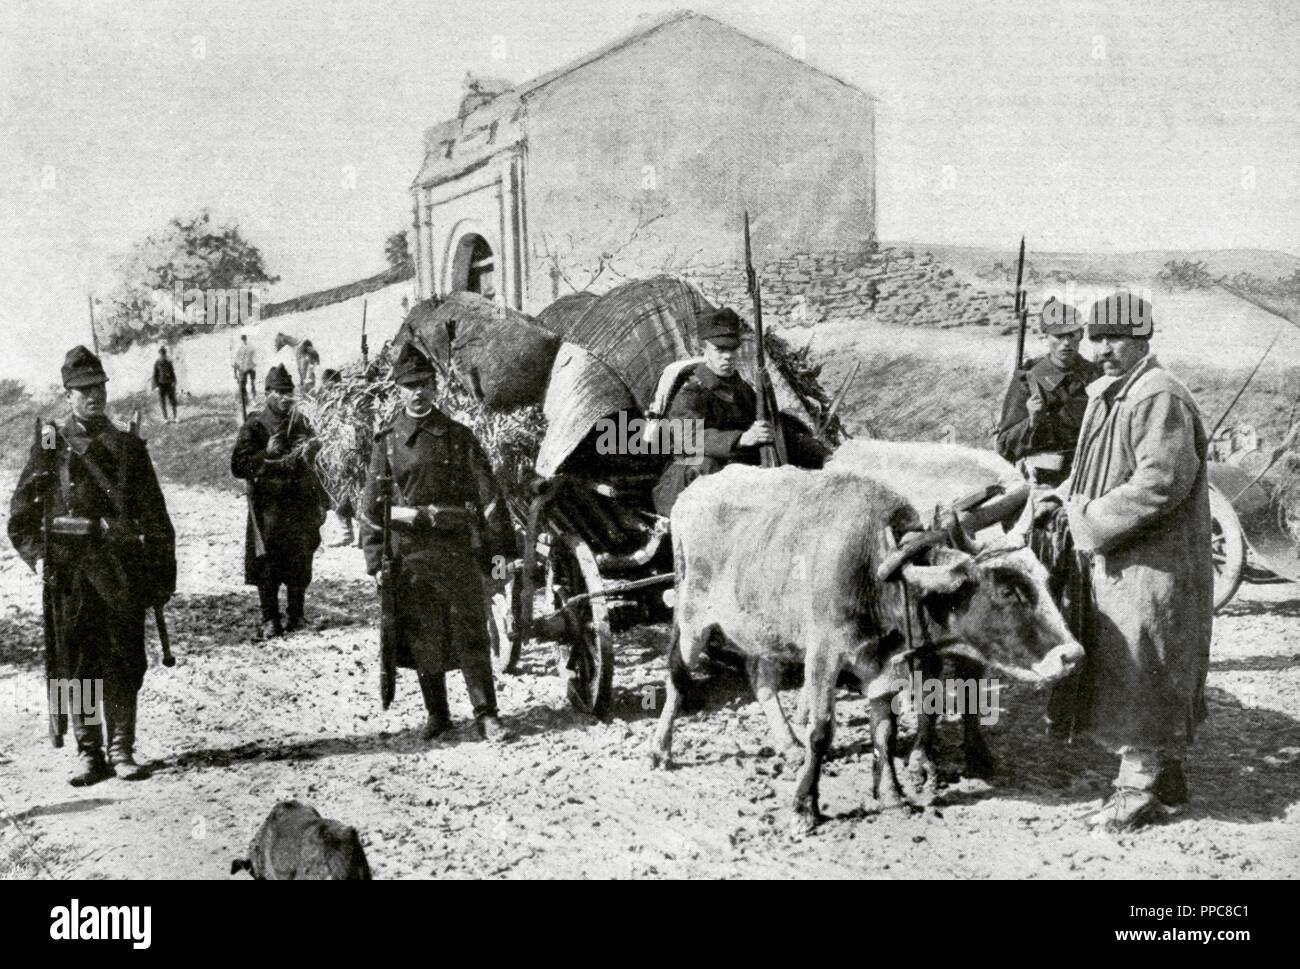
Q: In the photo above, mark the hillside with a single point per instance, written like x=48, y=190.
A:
x=1134, y=267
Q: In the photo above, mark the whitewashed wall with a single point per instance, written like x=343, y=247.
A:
x=203, y=362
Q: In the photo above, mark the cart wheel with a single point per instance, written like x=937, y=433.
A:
x=503, y=613
x=588, y=671
x=1229, y=549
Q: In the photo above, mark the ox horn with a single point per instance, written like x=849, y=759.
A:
x=912, y=545
x=996, y=503
x=936, y=579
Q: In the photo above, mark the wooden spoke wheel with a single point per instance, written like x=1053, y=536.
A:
x=586, y=659
x=1228, y=546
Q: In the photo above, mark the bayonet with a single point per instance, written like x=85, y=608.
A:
x=771, y=455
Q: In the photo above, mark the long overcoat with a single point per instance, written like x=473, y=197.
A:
x=436, y=461
x=1139, y=513
x=287, y=498
x=99, y=586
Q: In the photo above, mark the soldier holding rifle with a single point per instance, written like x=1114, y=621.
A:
x=740, y=423
x=286, y=504
x=89, y=505
x=1044, y=404
x=433, y=520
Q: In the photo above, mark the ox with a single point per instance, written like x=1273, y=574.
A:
x=933, y=475
x=296, y=844
x=794, y=565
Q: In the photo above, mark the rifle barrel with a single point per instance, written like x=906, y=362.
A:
x=1020, y=275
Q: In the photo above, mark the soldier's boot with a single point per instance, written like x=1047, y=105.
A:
x=482, y=694
x=297, y=596
x=268, y=596
x=121, y=738
x=91, y=768
x=434, y=688
x=1171, y=784
x=91, y=765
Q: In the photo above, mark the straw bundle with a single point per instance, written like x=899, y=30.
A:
x=347, y=412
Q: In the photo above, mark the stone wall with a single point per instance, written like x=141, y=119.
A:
x=890, y=285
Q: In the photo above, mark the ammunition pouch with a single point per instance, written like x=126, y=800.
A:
x=73, y=527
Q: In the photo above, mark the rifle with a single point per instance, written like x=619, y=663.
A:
x=55, y=657
x=159, y=620
x=365, y=347
x=239, y=382
x=259, y=544
x=838, y=399
x=1020, y=308
x=772, y=455
x=94, y=337
x=389, y=630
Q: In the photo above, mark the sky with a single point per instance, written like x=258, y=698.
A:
x=1087, y=124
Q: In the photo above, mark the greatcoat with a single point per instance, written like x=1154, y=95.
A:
x=1138, y=507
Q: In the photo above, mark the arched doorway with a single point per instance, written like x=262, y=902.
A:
x=473, y=267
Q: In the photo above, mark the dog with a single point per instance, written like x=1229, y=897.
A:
x=296, y=844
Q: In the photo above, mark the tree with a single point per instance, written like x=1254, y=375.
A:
x=1185, y=274
x=397, y=250
x=192, y=273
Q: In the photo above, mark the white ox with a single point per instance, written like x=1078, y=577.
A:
x=794, y=565
x=931, y=475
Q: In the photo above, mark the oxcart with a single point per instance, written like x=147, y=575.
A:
x=596, y=557
x=1256, y=536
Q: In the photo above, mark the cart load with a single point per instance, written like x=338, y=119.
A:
x=502, y=355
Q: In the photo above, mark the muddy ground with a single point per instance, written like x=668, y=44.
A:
x=236, y=726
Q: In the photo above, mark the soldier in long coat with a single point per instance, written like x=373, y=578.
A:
x=454, y=524
x=715, y=394
x=1046, y=399
x=111, y=558
x=1138, y=507
x=287, y=503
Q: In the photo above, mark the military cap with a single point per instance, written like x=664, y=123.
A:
x=278, y=379
x=412, y=367
x=1121, y=314
x=81, y=368
x=1060, y=318
x=719, y=327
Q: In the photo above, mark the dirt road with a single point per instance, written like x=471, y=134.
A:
x=236, y=726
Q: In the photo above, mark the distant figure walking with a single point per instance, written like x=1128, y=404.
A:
x=308, y=360
x=164, y=379
x=245, y=364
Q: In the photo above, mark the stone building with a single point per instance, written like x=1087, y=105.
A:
x=641, y=157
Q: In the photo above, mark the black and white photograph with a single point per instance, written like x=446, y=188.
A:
x=774, y=440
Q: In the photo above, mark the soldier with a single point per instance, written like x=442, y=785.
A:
x=88, y=501
x=449, y=521
x=287, y=505
x=164, y=379
x=1044, y=405
x=716, y=394
x=1138, y=510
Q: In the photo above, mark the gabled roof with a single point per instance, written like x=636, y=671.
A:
x=653, y=25
x=460, y=145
